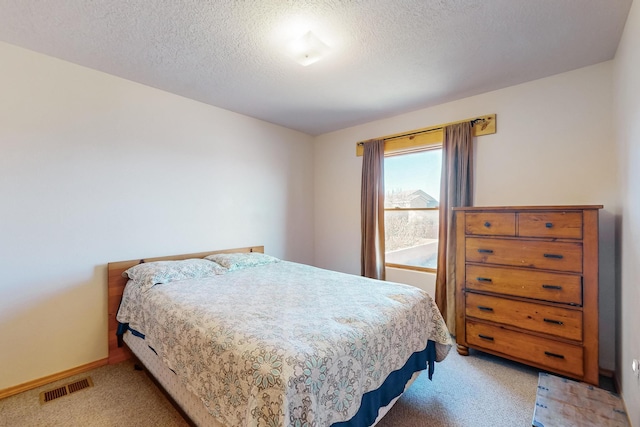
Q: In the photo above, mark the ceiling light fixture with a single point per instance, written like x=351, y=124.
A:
x=307, y=49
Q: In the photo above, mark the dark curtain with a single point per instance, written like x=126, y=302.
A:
x=372, y=210
x=456, y=189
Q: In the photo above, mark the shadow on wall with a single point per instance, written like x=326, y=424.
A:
x=608, y=289
x=618, y=296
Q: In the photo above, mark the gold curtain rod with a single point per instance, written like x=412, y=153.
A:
x=419, y=138
x=433, y=129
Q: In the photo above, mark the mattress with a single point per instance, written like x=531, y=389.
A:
x=288, y=344
x=190, y=404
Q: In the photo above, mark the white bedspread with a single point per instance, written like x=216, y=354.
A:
x=284, y=344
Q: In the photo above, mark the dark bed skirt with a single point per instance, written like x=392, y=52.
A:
x=392, y=387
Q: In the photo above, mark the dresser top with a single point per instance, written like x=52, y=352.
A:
x=528, y=208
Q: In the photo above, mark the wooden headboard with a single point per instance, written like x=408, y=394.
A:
x=116, y=284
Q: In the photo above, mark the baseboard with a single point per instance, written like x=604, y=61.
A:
x=51, y=378
x=606, y=373
x=617, y=385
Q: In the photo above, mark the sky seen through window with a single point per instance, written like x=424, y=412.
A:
x=414, y=171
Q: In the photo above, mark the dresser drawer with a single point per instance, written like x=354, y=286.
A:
x=490, y=223
x=542, y=351
x=541, y=285
x=550, y=320
x=561, y=256
x=565, y=225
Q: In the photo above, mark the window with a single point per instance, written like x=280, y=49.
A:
x=411, y=216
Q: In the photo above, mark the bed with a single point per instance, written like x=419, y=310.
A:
x=239, y=338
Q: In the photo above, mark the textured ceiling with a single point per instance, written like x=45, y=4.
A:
x=388, y=57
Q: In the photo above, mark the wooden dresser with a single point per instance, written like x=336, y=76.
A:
x=527, y=286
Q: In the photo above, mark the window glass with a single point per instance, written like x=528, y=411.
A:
x=412, y=190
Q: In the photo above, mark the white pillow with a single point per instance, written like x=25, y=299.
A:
x=237, y=261
x=149, y=274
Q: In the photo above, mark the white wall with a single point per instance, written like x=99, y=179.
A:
x=553, y=146
x=94, y=168
x=627, y=127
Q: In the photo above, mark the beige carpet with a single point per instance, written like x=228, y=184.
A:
x=121, y=396
x=479, y=390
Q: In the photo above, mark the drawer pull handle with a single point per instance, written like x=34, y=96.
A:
x=558, y=356
x=556, y=256
x=485, y=337
x=559, y=288
x=485, y=251
x=549, y=225
x=555, y=322
x=483, y=308
x=487, y=224
x=484, y=279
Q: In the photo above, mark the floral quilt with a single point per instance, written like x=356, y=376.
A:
x=284, y=344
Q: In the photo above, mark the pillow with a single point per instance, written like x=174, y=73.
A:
x=152, y=273
x=237, y=261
